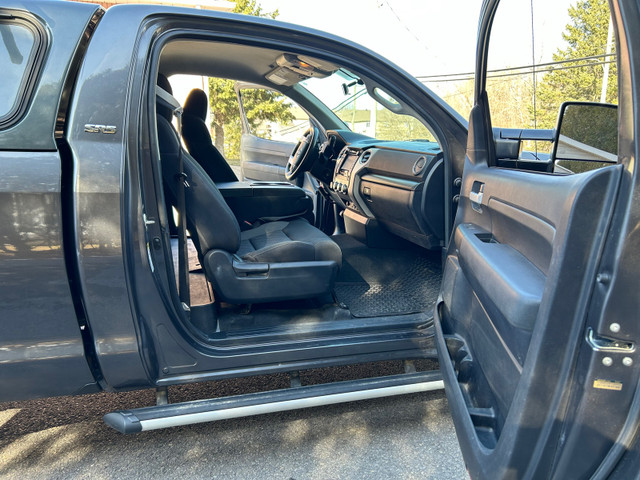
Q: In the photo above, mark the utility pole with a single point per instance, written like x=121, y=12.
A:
x=353, y=117
x=373, y=118
x=607, y=59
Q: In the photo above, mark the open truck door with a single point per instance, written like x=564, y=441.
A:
x=537, y=321
x=265, y=147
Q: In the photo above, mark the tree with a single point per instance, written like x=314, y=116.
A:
x=510, y=99
x=260, y=105
x=224, y=107
x=460, y=97
x=586, y=36
x=251, y=7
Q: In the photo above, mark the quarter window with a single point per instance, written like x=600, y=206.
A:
x=19, y=45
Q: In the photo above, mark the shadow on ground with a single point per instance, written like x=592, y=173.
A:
x=403, y=437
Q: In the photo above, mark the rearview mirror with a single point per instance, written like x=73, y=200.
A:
x=587, y=132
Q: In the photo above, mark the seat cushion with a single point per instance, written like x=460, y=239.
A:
x=294, y=241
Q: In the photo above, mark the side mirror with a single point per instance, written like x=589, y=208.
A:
x=587, y=132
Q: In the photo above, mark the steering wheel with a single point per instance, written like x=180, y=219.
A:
x=303, y=155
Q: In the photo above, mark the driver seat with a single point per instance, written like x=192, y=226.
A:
x=283, y=260
x=198, y=141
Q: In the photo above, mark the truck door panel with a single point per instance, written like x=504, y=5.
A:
x=263, y=157
x=529, y=273
x=519, y=258
x=102, y=97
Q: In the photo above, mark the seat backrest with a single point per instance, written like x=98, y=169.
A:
x=209, y=219
x=198, y=140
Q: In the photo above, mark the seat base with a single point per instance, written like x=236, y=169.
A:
x=237, y=281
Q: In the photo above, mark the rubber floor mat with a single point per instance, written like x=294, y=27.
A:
x=379, y=282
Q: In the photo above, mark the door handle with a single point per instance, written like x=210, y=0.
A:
x=476, y=195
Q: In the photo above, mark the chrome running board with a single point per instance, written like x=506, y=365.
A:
x=209, y=410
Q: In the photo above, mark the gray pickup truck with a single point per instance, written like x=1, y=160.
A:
x=132, y=256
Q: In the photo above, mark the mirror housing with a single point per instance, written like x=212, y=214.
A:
x=586, y=131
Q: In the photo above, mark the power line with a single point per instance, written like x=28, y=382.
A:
x=551, y=69
x=411, y=32
x=509, y=69
x=471, y=76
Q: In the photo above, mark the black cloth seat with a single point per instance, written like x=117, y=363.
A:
x=198, y=140
x=294, y=241
x=275, y=261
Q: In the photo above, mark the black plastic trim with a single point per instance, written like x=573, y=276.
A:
x=67, y=204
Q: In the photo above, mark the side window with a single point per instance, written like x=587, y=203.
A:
x=264, y=113
x=269, y=115
x=541, y=56
x=21, y=43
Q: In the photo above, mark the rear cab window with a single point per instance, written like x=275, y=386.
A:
x=21, y=46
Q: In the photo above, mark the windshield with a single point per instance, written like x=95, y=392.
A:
x=347, y=96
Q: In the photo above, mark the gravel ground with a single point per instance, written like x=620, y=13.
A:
x=411, y=436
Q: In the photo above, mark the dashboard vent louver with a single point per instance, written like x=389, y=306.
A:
x=365, y=157
x=418, y=167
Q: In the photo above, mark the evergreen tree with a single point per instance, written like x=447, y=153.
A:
x=586, y=36
x=260, y=105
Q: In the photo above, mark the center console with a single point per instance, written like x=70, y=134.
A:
x=342, y=175
x=265, y=201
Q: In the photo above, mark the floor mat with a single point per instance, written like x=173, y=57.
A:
x=377, y=282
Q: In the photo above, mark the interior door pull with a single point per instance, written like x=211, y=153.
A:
x=475, y=196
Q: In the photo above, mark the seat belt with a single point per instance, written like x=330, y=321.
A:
x=182, y=183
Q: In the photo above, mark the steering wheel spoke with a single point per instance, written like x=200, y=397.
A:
x=304, y=154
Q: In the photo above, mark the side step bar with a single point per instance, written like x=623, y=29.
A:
x=199, y=411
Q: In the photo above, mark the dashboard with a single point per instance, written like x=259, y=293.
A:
x=398, y=186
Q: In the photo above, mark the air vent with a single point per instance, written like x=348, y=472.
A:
x=365, y=157
x=418, y=167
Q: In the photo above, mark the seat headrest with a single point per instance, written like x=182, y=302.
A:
x=162, y=107
x=196, y=104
